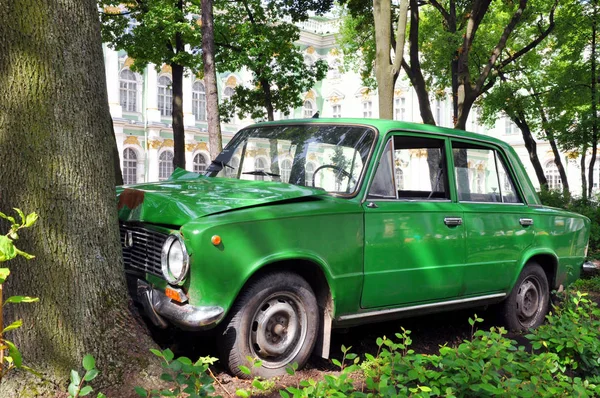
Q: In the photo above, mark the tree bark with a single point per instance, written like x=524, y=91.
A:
x=521, y=122
x=386, y=71
x=178, y=128
x=215, y=142
x=594, y=84
x=57, y=150
x=413, y=70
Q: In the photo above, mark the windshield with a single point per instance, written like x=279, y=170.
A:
x=329, y=157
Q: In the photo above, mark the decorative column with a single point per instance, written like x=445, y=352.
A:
x=188, y=116
x=111, y=60
x=152, y=111
x=154, y=144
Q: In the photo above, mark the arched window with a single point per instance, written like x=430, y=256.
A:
x=308, y=109
x=165, y=96
x=259, y=165
x=286, y=169
x=129, y=166
x=228, y=92
x=552, y=175
x=199, y=100
x=128, y=90
x=165, y=165
x=309, y=171
x=200, y=163
x=399, y=178
x=308, y=60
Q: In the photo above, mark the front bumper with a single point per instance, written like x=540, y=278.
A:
x=589, y=268
x=162, y=310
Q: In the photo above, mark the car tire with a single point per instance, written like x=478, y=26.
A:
x=527, y=305
x=275, y=320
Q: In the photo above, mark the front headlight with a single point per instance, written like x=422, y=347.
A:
x=174, y=260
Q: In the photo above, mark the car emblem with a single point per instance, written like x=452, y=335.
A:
x=128, y=240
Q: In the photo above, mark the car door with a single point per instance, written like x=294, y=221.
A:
x=414, y=237
x=498, y=225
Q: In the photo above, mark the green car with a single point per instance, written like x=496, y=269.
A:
x=302, y=226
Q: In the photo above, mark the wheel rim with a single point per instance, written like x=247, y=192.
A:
x=278, y=329
x=530, y=299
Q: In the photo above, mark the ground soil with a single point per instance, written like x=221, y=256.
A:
x=428, y=333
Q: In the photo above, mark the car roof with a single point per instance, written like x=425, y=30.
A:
x=384, y=125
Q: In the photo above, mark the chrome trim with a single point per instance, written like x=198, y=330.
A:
x=492, y=203
x=526, y=222
x=589, y=267
x=164, y=260
x=186, y=316
x=453, y=221
x=417, y=307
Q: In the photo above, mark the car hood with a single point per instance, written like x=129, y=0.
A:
x=186, y=196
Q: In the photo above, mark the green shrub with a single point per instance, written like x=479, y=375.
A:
x=572, y=332
x=591, y=285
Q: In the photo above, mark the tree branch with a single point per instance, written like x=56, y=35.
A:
x=534, y=42
x=401, y=35
x=501, y=44
x=441, y=9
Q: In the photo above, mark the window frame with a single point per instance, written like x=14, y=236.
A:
x=450, y=187
x=131, y=90
x=161, y=98
x=499, y=154
x=199, y=101
x=129, y=164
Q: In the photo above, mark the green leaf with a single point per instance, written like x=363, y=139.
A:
x=91, y=374
x=140, y=391
x=89, y=362
x=256, y=383
x=14, y=353
x=16, y=324
x=242, y=393
x=245, y=370
x=73, y=389
x=31, y=219
x=85, y=391
x=100, y=395
x=168, y=355
x=4, y=272
x=7, y=248
x=21, y=214
x=21, y=299
x=75, y=379
x=12, y=220
x=23, y=254
x=156, y=352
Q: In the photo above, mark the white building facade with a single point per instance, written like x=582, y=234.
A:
x=140, y=105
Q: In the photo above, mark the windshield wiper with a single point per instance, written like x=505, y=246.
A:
x=261, y=173
x=222, y=164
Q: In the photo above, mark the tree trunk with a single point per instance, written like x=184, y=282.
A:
x=116, y=155
x=583, y=177
x=414, y=69
x=215, y=142
x=386, y=71
x=530, y=144
x=58, y=160
x=264, y=83
x=178, y=128
x=557, y=161
x=594, y=82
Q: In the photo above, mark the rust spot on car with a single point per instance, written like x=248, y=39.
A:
x=131, y=198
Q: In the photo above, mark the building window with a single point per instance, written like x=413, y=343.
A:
x=308, y=109
x=509, y=127
x=165, y=165
x=367, y=108
x=199, y=101
x=552, y=176
x=228, y=92
x=232, y=170
x=400, y=109
x=308, y=60
x=286, y=169
x=200, y=163
x=129, y=166
x=337, y=110
x=438, y=112
x=165, y=96
x=399, y=178
x=128, y=90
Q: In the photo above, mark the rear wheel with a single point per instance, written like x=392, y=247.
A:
x=527, y=305
x=274, y=320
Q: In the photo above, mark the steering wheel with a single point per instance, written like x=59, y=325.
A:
x=341, y=171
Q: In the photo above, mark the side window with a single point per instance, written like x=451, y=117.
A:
x=414, y=170
x=481, y=175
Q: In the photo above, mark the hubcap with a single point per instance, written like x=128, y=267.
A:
x=529, y=301
x=278, y=329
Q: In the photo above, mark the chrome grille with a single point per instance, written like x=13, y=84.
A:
x=144, y=254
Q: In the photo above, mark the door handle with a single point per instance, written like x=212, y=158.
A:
x=452, y=221
x=372, y=205
x=526, y=222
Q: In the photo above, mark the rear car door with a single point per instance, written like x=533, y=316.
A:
x=499, y=226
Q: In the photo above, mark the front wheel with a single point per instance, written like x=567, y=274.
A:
x=275, y=320
x=527, y=305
